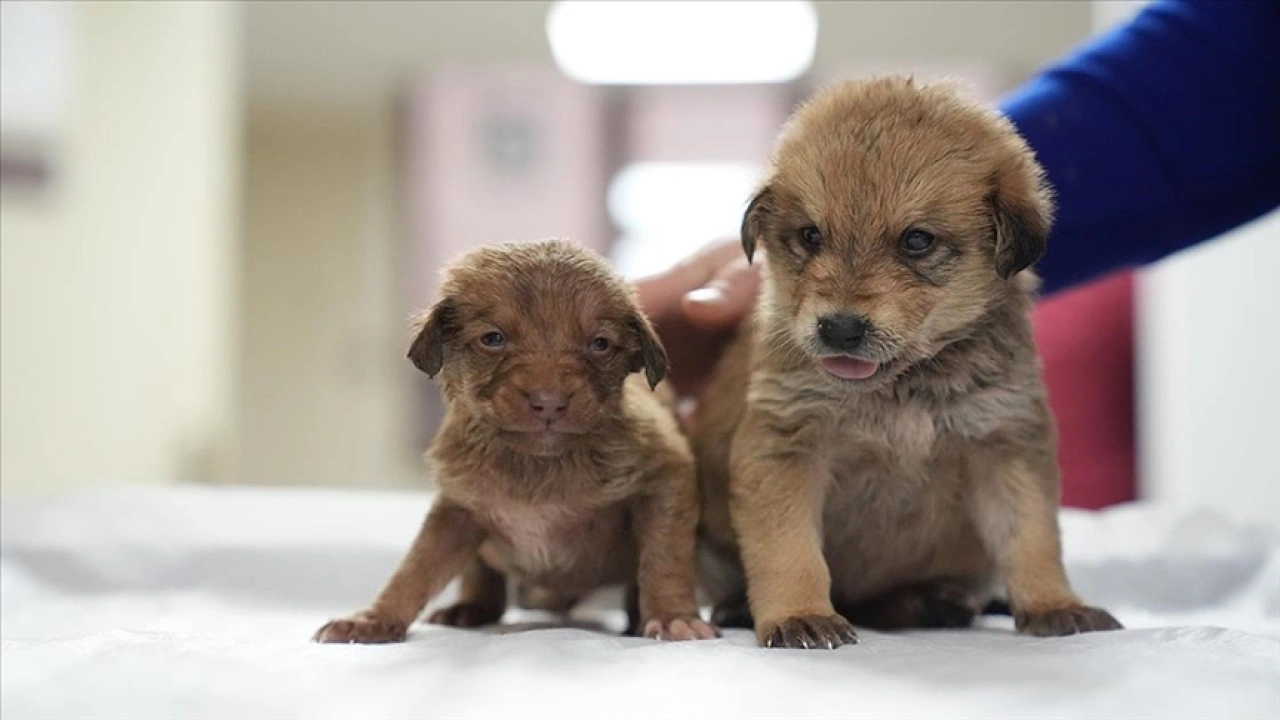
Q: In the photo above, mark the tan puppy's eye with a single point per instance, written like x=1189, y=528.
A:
x=600, y=345
x=810, y=238
x=493, y=340
x=917, y=243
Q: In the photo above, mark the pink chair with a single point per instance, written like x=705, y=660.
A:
x=1086, y=340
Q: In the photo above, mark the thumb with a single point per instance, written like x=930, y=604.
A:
x=661, y=295
x=726, y=299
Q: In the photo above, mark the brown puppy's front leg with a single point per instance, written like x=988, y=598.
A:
x=666, y=519
x=776, y=504
x=1019, y=522
x=448, y=539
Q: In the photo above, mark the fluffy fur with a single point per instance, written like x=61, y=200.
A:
x=556, y=464
x=904, y=473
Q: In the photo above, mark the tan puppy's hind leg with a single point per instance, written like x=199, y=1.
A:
x=939, y=604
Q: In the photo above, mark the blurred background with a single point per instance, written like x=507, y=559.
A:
x=217, y=218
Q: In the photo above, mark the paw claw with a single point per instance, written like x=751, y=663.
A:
x=680, y=629
x=810, y=632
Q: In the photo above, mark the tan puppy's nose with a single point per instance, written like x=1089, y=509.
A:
x=548, y=404
x=842, y=333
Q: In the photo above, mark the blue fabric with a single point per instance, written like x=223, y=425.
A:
x=1159, y=135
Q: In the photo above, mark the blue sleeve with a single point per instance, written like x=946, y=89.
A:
x=1159, y=135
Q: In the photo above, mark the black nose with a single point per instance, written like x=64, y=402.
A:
x=548, y=404
x=841, y=332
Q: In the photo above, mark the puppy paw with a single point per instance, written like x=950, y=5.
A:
x=364, y=627
x=808, y=632
x=927, y=605
x=733, y=612
x=466, y=615
x=946, y=606
x=942, y=613
x=680, y=628
x=1069, y=620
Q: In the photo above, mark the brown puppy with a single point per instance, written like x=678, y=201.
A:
x=555, y=464
x=878, y=436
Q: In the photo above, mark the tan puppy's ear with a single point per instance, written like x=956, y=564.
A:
x=434, y=327
x=651, y=356
x=753, y=220
x=1022, y=205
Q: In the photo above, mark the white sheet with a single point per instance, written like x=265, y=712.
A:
x=186, y=602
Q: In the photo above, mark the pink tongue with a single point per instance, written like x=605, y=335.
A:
x=850, y=368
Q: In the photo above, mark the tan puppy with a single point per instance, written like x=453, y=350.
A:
x=555, y=465
x=877, y=435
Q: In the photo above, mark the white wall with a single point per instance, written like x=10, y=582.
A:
x=1209, y=374
x=1209, y=366
x=116, y=283
x=1106, y=14
x=327, y=395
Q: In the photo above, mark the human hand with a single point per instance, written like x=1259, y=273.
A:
x=695, y=306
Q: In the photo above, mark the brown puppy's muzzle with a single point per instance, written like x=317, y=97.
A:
x=542, y=402
x=548, y=405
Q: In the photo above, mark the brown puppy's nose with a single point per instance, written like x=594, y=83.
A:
x=548, y=404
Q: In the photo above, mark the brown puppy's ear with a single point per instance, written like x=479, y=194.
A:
x=753, y=221
x=651, y=356
x=1022, y=205
x=427, y=350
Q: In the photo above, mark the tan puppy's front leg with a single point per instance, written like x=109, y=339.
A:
x=776, y=504
x=447, y=541
x=1019, y=523
x=666, y=520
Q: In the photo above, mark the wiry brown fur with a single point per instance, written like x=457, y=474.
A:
x=913, y=496
x=608, y=497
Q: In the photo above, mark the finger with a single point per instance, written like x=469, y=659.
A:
x=726, y=299
x=685, y=409
x=660, y=294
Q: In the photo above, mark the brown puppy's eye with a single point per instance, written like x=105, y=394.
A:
x=917, y=243
x=493, y=340
x=810, y=238
x=600, y=345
